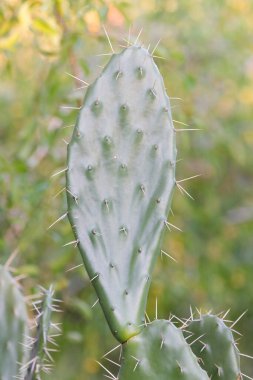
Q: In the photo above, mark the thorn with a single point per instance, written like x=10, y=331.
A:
x=109, y=360
x=180, y=122
x=100, y=55
x=238, y=319
x=58, y=220
x=157, y=56
x=138, y=362
x=11, y=258
x=226, y=313
x=146, y=314
x=196, y=339
x=101, y=365
x=94, y=278
x=155, y=47
x=108, y=38
x=135, y=42
x=113, y=349
x=71, y=107
x=95, y=303
x=183, y=191
x=59, y=172
x=156, y=309
x=72, y=242
x=129, y=36
x=168, y=225
x=187, y=179
x=247, y=377
x=246, y=356
x=68, y=126
x=59, y=192
x=165, y=253
x=187, y=129
x=75, y=267
x=80, y=80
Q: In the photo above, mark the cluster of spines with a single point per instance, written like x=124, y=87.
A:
x=42, y=344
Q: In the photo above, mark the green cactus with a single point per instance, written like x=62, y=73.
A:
x=13, y=326
x=161, y=352
x=215, y=347
x=40, y=358
x=120, y=178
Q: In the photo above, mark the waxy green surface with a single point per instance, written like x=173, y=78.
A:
x=120, y=178
x=159, y=352
x=216, y=348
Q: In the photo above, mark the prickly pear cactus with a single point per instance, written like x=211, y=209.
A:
x=120, y=177
x=43, y=344
x=13, y=326
x=216, y=348
x=159, y=352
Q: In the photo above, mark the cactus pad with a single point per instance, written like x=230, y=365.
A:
x=216, y=348
x=120, y=177
x=159, y=352
x=13, y=326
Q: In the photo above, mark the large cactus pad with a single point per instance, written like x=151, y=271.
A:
x=121, y=172
x=13, y=326
x=159, y=352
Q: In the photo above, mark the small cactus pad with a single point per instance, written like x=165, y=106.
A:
x=13, y=326
x=216, y=348
x=159, y=352
x=120, y=177
x=40, y=359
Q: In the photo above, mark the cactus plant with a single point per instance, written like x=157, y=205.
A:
x=120, y=178
x=13, y=325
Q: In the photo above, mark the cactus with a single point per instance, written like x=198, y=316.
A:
x=159, y=352
x=40, y=359
x=216, y=348
x=13, y=325
x=120, y=178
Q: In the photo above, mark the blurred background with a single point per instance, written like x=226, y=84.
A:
x=208, y=63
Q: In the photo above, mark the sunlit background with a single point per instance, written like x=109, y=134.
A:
x=207, y=53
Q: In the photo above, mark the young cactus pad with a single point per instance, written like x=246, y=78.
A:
x=216, y=348
x=159, y=352
x=120, y=177
x=13, y=326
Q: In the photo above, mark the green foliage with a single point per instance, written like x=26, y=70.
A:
x=159, y=352
x=209, y=65
x=13, y=325
x=215, y=347
x=120, y=178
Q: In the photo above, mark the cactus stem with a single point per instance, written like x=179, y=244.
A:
x=169, y=256
x=108, y=39
x=58, y=220
x=80, y=80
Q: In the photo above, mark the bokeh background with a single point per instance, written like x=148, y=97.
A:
x=207, y=46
